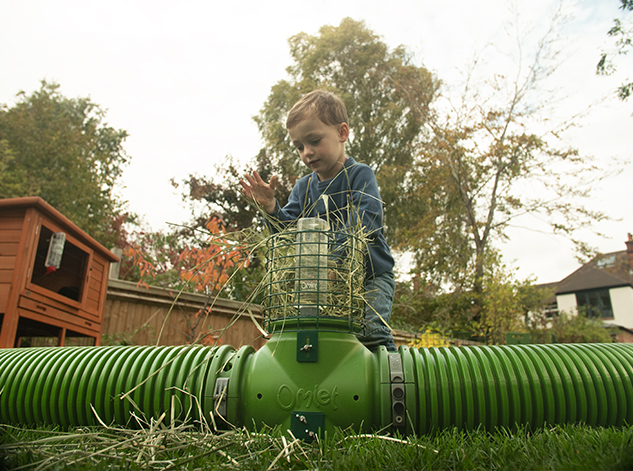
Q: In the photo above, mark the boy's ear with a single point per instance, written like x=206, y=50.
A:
x=343, y=132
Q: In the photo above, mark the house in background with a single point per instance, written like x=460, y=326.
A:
x=603, y=288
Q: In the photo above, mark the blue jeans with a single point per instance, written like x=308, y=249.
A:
x=379, y=298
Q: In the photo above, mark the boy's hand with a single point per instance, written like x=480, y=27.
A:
x=255, y=188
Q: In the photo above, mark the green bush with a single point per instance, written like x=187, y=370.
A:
x=580, y=328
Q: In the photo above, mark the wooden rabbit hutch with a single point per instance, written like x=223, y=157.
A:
x=44, y=302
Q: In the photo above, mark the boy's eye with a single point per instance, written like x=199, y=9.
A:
x=316, y=141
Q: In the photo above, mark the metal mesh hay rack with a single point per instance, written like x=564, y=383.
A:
x=314, y=273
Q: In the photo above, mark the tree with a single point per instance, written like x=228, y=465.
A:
x=209, y=261
x=419, y=307
x=489, y=161
x=12, y=178
x=622, y=32
x=224, y=199
x=580, y=328
x=151, y=257
x=508, y=303
x=387, y=99
x=61, y=150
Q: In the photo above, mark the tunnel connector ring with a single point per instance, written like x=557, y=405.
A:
x=398, y=404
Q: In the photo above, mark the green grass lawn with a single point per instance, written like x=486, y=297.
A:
x=569, y=447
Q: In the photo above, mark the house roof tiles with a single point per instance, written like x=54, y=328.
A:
x=604, y=271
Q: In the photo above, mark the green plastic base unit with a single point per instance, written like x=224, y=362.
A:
x=343, y=386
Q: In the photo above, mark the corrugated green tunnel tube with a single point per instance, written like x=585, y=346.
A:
x=309, y=381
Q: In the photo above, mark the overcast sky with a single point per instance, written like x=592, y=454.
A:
x=185, y=79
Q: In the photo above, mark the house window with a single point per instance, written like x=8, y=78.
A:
x=596, y=302
x=551, y=310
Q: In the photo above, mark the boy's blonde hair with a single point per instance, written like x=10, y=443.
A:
x=325, y=105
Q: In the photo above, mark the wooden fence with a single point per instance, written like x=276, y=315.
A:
x=151, y=315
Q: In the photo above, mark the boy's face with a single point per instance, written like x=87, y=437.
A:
x=321, y=146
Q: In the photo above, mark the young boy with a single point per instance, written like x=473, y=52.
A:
x=318, y=127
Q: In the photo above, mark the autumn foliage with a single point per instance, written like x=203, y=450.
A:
x=208, y=268
x=204, y=266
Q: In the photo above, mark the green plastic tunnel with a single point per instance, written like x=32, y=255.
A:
x=311, y=381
